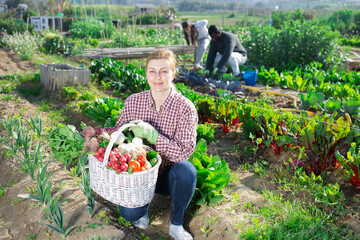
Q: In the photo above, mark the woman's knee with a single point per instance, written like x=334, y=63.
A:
x=184, y=171
x=132, y=214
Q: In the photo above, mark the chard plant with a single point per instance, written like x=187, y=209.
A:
x=322, y=141
x=351, y=164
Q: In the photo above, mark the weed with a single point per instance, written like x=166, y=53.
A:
x=16, y=201
x=102, y=217
x=280, y=219
x=2, y=191
x=122, y=222
x=32, y=236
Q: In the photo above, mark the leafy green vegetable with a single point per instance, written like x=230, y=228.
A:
x=213, y=175
x=66, y=143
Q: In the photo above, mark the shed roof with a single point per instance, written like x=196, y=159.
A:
x=145, y=5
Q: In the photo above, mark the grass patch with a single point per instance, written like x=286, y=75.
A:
x=281, y=219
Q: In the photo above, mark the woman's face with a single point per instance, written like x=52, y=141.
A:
x=159, y=75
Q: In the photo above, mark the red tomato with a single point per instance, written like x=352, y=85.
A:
x=101, y=159
x=109, y=164
x=135, y=166
x=118, y=155
x=142, y=160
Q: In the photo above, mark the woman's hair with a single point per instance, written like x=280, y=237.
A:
x=163, y=54
x=193, y=32
x=185, y=24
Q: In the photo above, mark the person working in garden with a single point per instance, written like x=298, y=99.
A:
x=169, y=124
x=198, y=35
x=225, y=50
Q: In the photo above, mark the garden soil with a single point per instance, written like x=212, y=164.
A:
x=22, y=219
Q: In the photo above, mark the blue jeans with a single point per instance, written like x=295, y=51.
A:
x=179, y=182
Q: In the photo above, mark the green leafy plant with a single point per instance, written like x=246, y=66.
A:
x=58, y=218
x=205, y=131
x=351, y=164
x=66, y=143
x=35, y=124
x=87, y=190
x=43, y=187
x=213, y=175
x=24, y=44
x=104, y=111
x=70, y=93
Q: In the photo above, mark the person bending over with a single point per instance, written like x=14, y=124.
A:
x=225, y=50
x=198, y=35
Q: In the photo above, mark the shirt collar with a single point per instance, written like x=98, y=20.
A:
x=150, y=102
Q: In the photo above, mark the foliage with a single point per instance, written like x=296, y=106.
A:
x=351, y=164
x=24, y=44
x=66, y=143
x=58, y=217
x=55, y=43
x=321, y=141
x=278, y=218
x=43, y=187
x=151, y=19
x=204, y=6
x=87, y=190
x=344, y=21
x=138, y=37
x=205, y=131
x=10, y=25
x=127, y=79
x=91, y=28
x=299, y=43
x=281, y=18
x=213, y=175
x=103, y=111
x=70, y=93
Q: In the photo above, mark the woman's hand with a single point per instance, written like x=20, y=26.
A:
x=145, y=131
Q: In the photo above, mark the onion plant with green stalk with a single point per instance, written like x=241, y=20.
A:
x=43, y=187
x=58, y=217
x=35, y=124
x=85, y=187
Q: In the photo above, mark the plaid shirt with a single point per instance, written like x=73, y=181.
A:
x=176, y=123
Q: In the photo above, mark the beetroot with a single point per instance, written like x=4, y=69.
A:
x=88, y=132
x=91, y=144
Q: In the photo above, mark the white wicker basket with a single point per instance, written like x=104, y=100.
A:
x=128, y=190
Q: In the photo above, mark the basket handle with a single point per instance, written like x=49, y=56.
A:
x=114, y=136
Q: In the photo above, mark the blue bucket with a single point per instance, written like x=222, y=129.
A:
x=250, y=77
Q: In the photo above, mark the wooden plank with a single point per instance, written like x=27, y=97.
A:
x=133, y=53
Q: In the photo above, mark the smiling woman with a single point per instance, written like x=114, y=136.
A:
x=171, y=121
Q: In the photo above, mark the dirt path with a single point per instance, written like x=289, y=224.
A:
x=10, y=63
